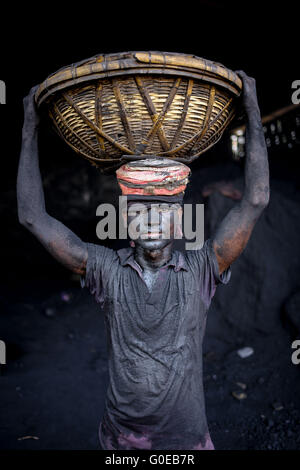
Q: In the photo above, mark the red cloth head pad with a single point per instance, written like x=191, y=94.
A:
x=153, y=176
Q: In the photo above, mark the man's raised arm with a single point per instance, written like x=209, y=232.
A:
x=61, y=242
x=234, y=231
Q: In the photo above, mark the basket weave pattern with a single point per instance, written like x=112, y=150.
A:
x=173, y=116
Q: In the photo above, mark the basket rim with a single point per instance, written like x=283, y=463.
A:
x=104, y=66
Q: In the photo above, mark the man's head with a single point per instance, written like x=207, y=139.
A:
x=153, y=225
x=154, y=188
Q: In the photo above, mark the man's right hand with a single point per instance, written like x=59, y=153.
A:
x=31, y=116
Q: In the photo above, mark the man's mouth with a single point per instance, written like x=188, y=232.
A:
x=151, y=234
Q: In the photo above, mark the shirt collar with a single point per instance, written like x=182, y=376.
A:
x=177, y=260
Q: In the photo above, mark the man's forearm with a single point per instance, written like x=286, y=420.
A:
x=234, y=231
x=31, y=201
x=256, y=166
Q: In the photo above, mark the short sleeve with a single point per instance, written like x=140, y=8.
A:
x=98, y=270
x=206, y=266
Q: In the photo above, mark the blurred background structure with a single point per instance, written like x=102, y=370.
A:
x=52, y=388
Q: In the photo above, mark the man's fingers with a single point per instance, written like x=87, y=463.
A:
x=31, y=93
x=29, y=105
x=245, y=77
x=34, y=89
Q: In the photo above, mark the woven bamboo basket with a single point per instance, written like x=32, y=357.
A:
x=140, y=103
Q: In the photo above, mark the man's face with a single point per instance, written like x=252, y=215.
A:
x=153, y=225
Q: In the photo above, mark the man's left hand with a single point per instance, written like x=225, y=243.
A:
x=249, y=95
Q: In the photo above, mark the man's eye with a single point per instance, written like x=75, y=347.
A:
x=137, y=213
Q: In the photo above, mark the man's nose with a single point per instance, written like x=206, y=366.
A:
x=154, y=218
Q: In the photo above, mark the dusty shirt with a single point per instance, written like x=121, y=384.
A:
x=155, y=395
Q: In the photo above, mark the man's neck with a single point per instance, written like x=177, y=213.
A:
x=153, y=259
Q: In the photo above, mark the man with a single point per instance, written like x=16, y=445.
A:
x=155, y=299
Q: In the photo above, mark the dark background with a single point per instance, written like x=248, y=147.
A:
x=53, y=385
